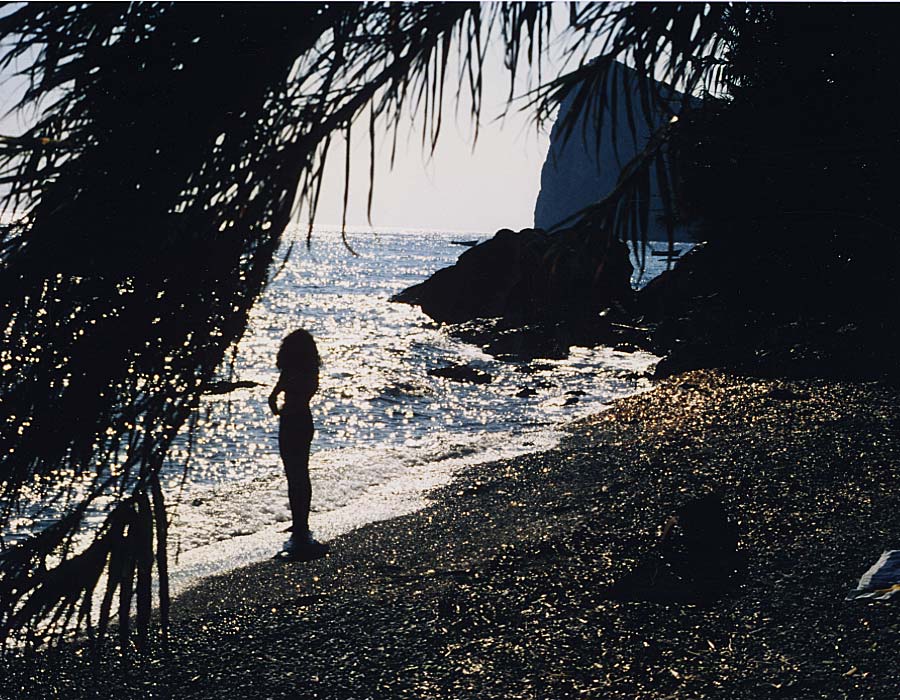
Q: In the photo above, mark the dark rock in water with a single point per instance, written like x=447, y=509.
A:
x=484, y=281
x=504, y=339
x=462, y=373
x=571, y=401
x=534, y=367
x=531, y=294
x=528, y=277
x=528, y=342
x=526, y=392
x=576, y=392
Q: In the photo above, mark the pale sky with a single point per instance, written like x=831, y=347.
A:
x=458, y=189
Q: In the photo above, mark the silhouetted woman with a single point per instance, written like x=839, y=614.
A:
x=298, y=360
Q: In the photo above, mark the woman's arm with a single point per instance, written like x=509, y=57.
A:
x=273, y=397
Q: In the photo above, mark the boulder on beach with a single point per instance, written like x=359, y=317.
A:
x=697, y=560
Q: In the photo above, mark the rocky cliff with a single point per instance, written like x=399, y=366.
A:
x=583, y=168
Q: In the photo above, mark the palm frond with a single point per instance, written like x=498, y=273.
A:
x=173, y=144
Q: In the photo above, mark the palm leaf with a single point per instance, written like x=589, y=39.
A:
x=152, y=191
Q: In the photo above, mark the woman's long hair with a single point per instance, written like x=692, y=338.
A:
x=298, y=352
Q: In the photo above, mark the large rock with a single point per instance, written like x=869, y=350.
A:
x=486, y=280
x=527, y=277
x=584, y=168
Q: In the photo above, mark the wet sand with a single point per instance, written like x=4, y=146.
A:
x=499, y=589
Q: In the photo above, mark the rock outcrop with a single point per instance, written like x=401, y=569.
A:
x=531, y=294
x=527, y=277
x=584, y=168
x=462, y=373
x=544, y=292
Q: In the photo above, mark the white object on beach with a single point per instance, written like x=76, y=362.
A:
x=882, y=581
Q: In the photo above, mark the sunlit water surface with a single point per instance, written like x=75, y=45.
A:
x=386, y=431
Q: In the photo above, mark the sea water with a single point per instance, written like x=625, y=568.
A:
x=386, y=432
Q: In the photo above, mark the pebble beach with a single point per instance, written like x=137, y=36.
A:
x=500, y=587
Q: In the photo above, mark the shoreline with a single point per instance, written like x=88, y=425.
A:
x=406, y=490
x=497, y=588
x=404, y=494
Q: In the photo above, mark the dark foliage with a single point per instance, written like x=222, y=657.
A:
x=805, y=135
x=172, y=144
x=154, y=205
x=173, y=141
x=792, y=180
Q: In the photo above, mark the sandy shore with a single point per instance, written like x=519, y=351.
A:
x=498, y=589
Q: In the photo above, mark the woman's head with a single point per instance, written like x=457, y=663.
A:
x=298, y=351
